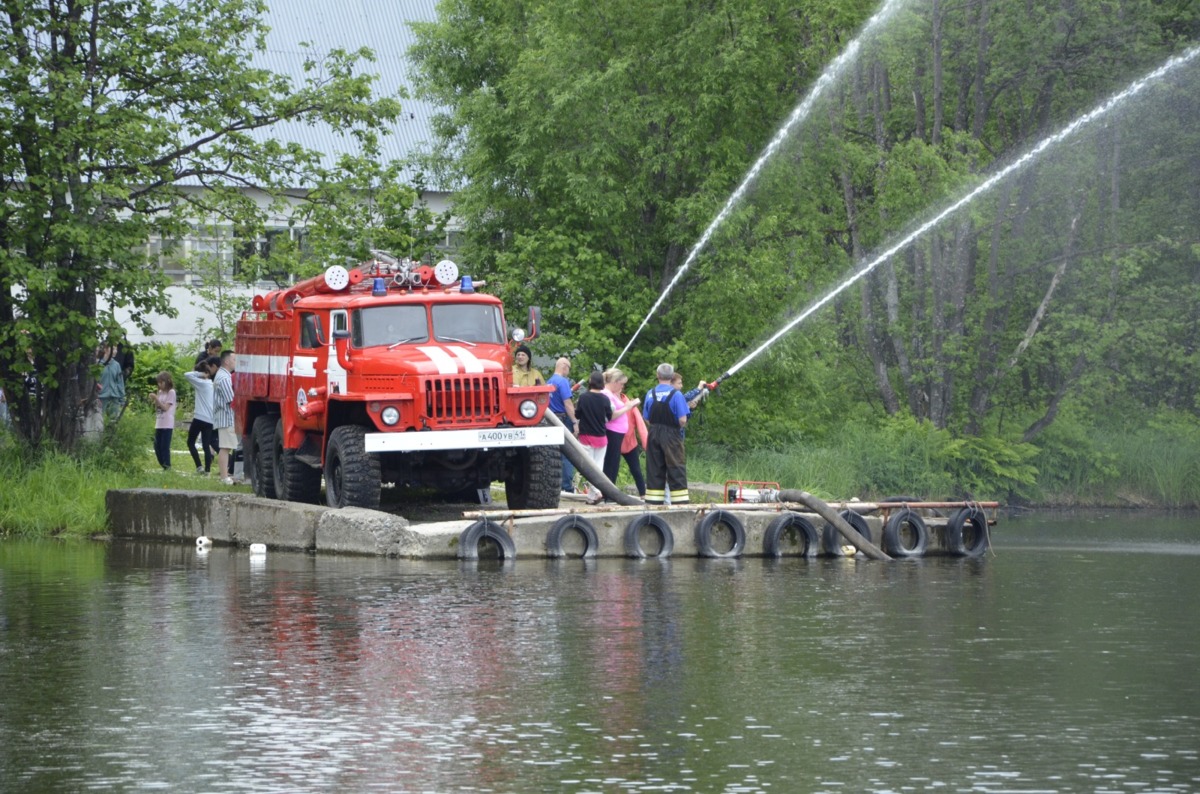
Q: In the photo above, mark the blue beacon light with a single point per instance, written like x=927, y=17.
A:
x=466, y=285
x=379, y=288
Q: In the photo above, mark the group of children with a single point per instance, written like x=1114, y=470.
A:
x=201, y=428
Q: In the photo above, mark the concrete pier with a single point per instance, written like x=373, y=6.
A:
x=242, y=519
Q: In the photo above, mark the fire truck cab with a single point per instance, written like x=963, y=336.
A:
x=393, y=372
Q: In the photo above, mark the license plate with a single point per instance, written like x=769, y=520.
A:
x=501, y=436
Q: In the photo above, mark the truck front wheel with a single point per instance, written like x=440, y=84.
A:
x=535, y=480
x=351, y=473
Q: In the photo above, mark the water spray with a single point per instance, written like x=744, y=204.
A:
x=1097, y=112
x=801, y=112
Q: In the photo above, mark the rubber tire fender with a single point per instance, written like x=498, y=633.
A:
x=633, y=546
x=261, y=468
x=705, y=526
x=892, y=541
x=954, y=532
x=831, y=539
x=554, y=537
x=352, y=475
x=468, y=541
x=784, y=523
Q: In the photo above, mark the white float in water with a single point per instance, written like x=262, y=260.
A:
x=258, y=548
x=203, y=542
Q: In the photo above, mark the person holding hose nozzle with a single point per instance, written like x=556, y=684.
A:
x=667, y=413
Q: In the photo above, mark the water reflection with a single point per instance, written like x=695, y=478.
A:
x=1056, y=665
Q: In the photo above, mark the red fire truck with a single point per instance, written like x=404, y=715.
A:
x=393, y=372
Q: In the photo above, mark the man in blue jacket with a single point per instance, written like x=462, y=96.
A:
x=563, y=406
x=666, y=413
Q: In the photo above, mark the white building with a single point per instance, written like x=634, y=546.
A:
x=381, y=25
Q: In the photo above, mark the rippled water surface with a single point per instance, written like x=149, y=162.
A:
x=1067, y=660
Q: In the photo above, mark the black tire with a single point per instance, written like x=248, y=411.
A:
x=260, y=468
x=788, y=525
x=905, y=534
x=831, y=539
x=577, y=523
x=351, y=473
x=633, y=540
x=710, y=522
x=485, y=529
x=536, y=480
x=967, y=533
x=295, y=480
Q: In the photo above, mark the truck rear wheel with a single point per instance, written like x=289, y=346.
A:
x=295, y=480
x=351, y=473
x=535, y=480
x=261, y=468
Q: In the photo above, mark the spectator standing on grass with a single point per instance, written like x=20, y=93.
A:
x=562, y=405
x=202, y=417
x=211, y=350
x=112, y=384
x=164, y=418
x=666, y=464
x=222, y=411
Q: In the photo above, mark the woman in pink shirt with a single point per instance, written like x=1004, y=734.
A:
x=164, y=418
x=615, y=428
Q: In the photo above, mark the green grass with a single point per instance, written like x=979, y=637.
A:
x=51, y=493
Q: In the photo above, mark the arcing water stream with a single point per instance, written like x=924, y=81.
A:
x=1096, y=113
x=831, y=73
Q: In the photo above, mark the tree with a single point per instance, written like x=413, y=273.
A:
x=594, y=142
x=597, y=141
x=114, y=113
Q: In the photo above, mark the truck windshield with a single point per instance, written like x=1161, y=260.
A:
x=389, y=325
x=468, y=322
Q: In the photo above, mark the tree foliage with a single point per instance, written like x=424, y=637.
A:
x=115, y=114
x=595, y=142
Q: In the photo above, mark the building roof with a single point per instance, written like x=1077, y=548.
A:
x=382, y=26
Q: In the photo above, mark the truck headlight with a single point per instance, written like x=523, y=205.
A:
x=528, y=409
x=390, y=415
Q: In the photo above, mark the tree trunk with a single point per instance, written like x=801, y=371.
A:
x=993, y=321
x=939, y=102
x=871, y=332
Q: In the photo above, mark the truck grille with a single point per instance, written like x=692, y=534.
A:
x=462, y=400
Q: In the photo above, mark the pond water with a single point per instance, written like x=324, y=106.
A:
x=1068, y=659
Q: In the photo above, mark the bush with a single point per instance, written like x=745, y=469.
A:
x=1073, y=467
x=153, y=358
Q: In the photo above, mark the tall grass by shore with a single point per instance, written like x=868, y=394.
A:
x=49, y=493
x=1157, y=465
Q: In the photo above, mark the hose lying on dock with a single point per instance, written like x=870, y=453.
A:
x=582, y=461
x=575, y=453
x=837, y=522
